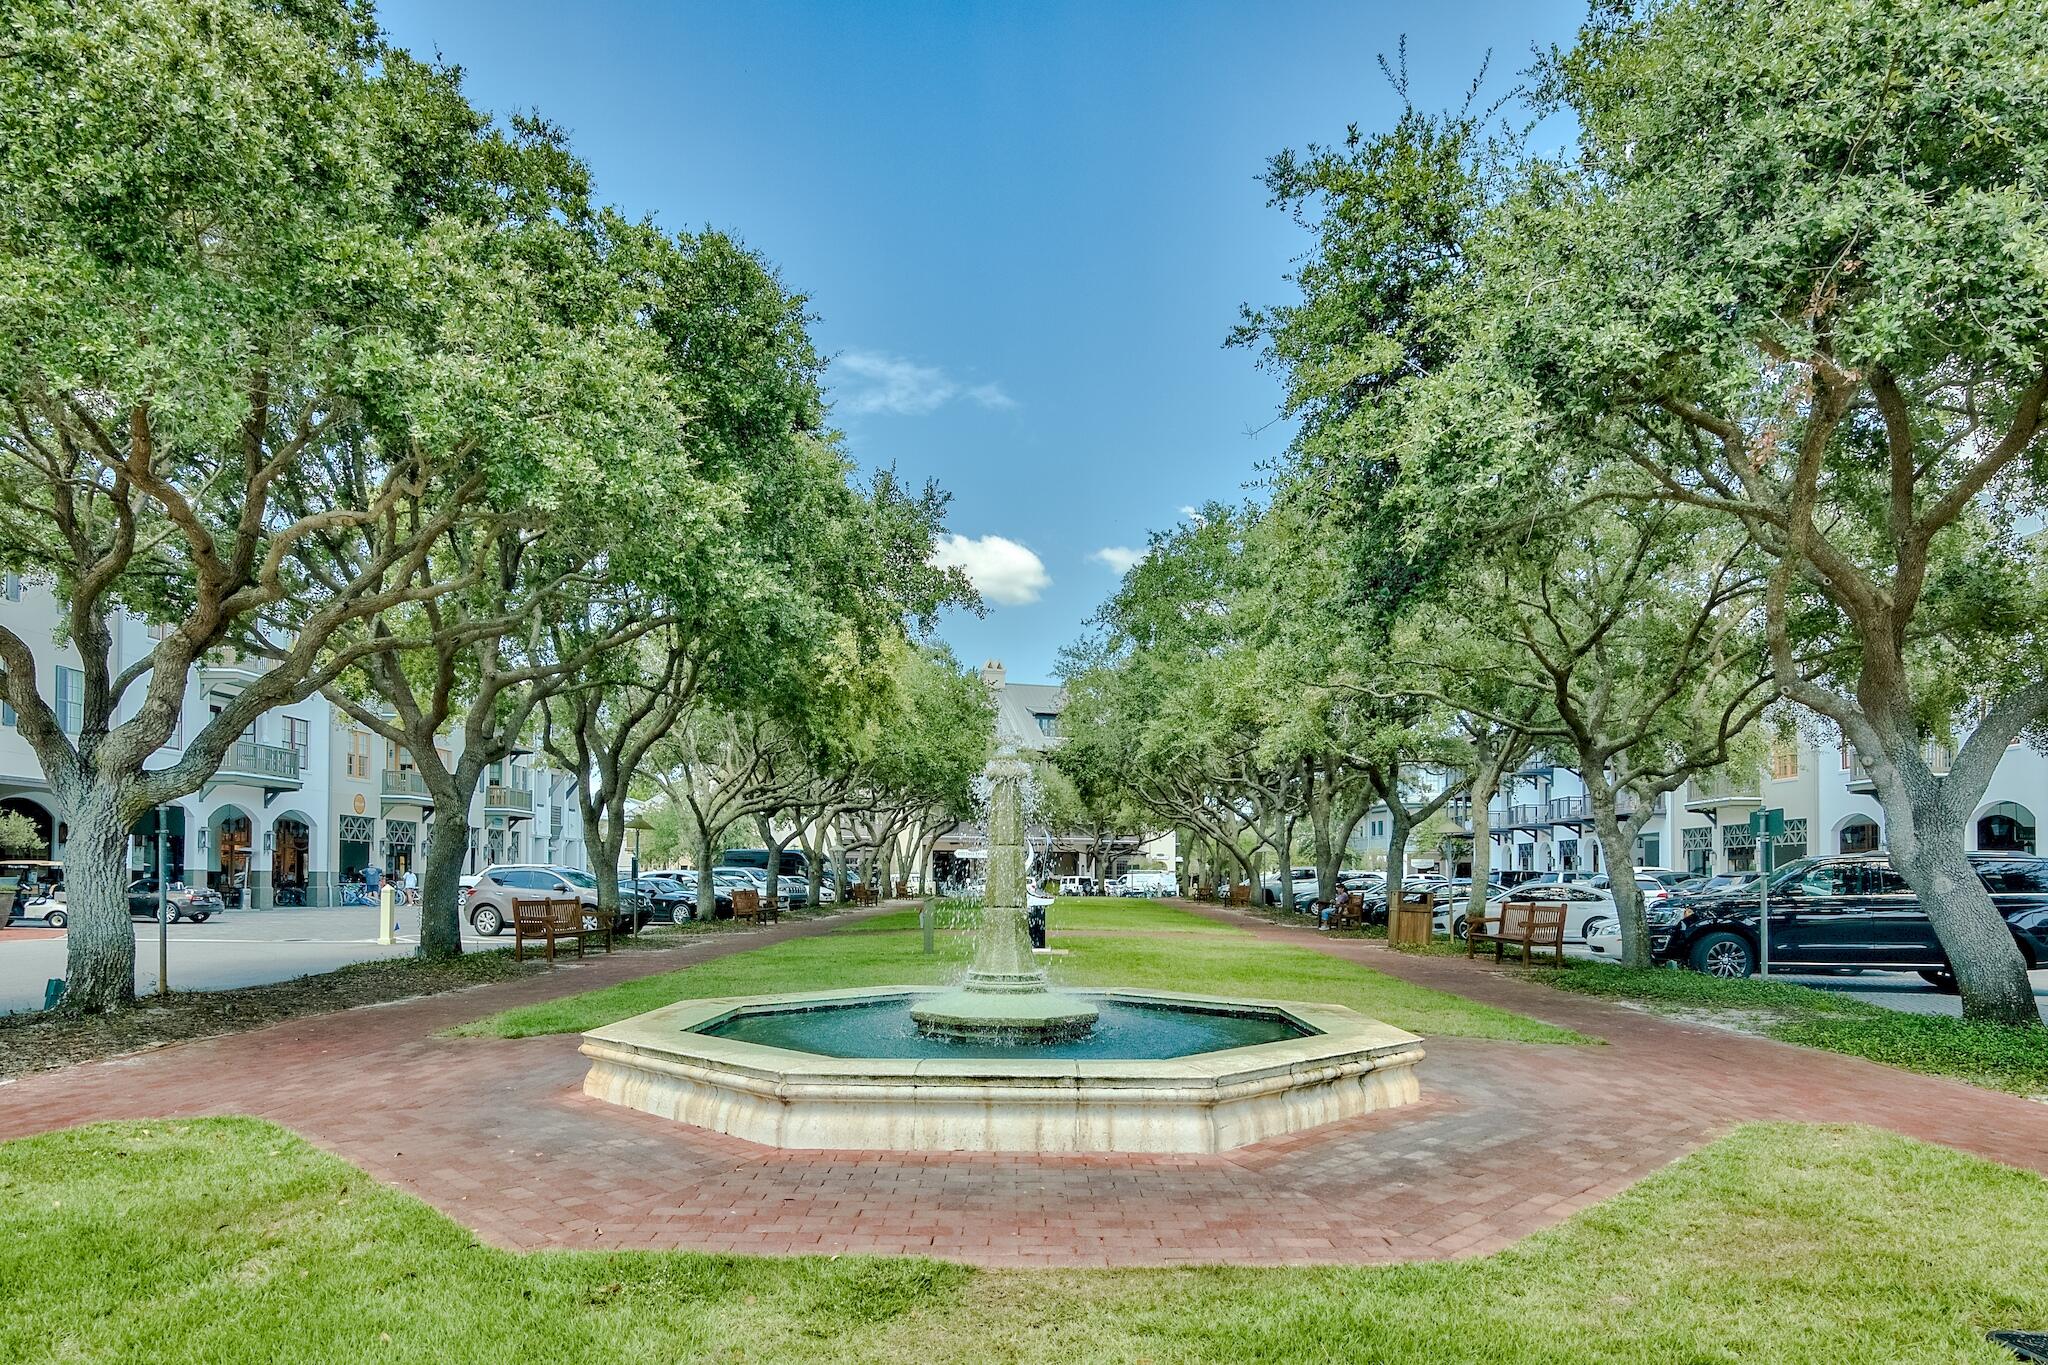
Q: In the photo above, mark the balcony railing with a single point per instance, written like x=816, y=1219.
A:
x=1528, y=815
x=274, y=766
x=1722, y=789
x=1626, y=803
x=507, y=800
x=1571, y=808
x=406, y=784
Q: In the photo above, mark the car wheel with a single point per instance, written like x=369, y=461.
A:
x=1944, y=982
x=1458, y=927
x=56, y=919
x=1592, y=928
x=488, y=922
x=201, y=917
x=1725, y=955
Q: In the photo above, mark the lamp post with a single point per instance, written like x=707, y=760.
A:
x=635, y=826
x=163, y=911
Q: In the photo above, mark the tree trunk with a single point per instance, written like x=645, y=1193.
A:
x=1617, y=845
x=1928, y=849
x=1286, y=852
x=608, y=840
x=99, y=948
x=1398, y=827
x=441, y=881
x=707, y=889
x=1485, y=781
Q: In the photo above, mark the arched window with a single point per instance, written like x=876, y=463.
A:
x=2007, y=827
x=1859, y=836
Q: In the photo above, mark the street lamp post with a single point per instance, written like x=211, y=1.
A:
x=163, y=911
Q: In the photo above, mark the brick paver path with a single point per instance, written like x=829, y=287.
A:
x=1510, y=1137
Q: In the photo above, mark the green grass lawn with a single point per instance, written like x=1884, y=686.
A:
x=229, y=1240
x=1179, y=951
x=1983, y=1054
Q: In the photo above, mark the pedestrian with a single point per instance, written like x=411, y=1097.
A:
x=373, y=877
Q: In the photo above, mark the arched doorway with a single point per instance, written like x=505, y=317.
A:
x=291, y=859
x=40, y=821
x=2005, y=827
x=1858, y=834
x=227, y=856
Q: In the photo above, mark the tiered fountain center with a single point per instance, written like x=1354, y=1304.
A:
x=1006, y=997
x=1003, y=1062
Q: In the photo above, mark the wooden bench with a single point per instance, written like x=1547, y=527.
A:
x=747, y=905
x=553, y=920
x=1529, y=925
x=1241, y=893
x=903, y=891
x=1347, y=911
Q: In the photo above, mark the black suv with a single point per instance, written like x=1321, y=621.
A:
x=1851, y=911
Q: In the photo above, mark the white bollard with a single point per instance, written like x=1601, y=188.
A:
x=386, y=915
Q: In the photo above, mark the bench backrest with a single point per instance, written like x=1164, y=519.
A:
x=1241, y=894
x=1539, y=921
x=746, y=903
x=540, y=913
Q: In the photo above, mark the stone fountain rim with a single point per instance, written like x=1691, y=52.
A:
x=1337, y=1036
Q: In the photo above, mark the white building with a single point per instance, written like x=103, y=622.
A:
x=304, y=800
x=1027, y=719
x=1541, y=822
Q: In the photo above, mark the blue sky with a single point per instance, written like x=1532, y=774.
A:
x=1025, y=228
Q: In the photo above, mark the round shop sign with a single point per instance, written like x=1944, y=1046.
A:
x=359, y=803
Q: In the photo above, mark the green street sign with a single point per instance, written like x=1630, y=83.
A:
x=1767, y=821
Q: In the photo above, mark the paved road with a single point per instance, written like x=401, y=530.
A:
x=240, y=948
x=1904, y=991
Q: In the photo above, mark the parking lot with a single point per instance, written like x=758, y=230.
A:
x=238, y=948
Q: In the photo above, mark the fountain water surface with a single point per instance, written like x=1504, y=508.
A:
x=1006, y=997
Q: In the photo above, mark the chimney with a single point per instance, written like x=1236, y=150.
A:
x=992, y=674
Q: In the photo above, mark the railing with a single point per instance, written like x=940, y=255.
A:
x=1528, y=815
x=266, y=763
x=1723, y=789
x=515, y=800
x=1571, y=808
x=406, y=782
x=1626, y=804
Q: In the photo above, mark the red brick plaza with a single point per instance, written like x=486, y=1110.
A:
x=441, y=1118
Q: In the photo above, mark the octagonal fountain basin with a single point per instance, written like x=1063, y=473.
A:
x=851, y=1071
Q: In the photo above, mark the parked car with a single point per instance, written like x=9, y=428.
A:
x=1849, y=912
x=195, y=903
x=1307, y=887
x=795, y=863
x=488, y=904
x=1654, y=891
x=665, y=898
x=1074, y=886
x=1150, y=884
x=1450, y=911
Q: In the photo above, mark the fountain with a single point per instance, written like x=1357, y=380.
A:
x=1003, y=1062
x=1006, y=997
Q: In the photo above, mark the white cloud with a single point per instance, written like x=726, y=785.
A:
x=1191, y=514
x=1001, y=570
x=1122, y=558
x=875, y=382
